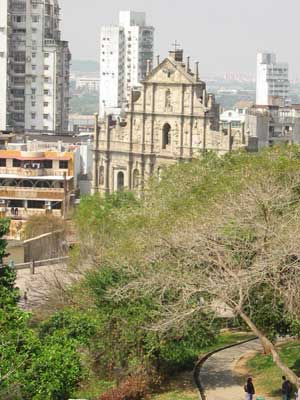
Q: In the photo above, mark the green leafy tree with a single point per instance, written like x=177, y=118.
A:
x=32, y=366
x=123, y=340
x=211, y=233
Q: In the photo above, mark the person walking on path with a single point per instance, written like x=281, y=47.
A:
x=286, y=389
x=298, y=392
x=249, y=389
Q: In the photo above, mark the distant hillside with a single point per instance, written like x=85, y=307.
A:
x=85, y=66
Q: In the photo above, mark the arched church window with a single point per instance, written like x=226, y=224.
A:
x=120, y=181
x=136, y=179
x=166, y=139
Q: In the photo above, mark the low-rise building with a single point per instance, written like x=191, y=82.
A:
x=237, y=115
x=88, y=84
x=38, y=177
x=232, y=117
x=274, y=124
x=81, y=123
x=34, y=182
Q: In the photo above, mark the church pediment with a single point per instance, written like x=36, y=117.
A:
x=169, y=72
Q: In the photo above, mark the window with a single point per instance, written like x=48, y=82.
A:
x=19, y=105
x=18, y=18
x=33, y=103
x=46, y=55
x=36, y=204
x=33, y=91
x=33, y=127
x=46, y=104
x=2, y=162
x=45, y=128
x=63, y=164
x=46, y=67
x=48, y=164
x=45, y=116
x=19, y=68
x=46, y=92
x=33, y=67
x=16, y=163
x=18, y=117
x=166, y=140
x=20, y=56
x=33, y=115
x=35, y=18
x=120, y=181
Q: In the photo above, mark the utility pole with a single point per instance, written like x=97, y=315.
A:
x=65, y=203
x=96, y=155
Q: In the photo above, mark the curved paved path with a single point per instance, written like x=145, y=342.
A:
x=218, y=377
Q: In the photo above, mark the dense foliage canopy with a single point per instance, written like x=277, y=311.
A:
x=211, y=240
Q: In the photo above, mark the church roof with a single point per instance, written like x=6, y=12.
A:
x=177, y=65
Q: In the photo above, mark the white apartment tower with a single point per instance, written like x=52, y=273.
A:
x=124, y=52
x=272, y=80
x=34, y=67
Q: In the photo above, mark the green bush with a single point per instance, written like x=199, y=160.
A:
x=124, y=340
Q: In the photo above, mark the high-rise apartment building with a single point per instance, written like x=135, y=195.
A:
x=272, y=80
x=34, y=67
x=124, y=52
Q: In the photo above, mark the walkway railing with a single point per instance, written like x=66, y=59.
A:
x=32, y=265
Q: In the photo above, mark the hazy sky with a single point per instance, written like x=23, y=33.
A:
x=223, y=35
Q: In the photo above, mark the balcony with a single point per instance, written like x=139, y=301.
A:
x=12, y=192
x=29, y=172
x=25, y=213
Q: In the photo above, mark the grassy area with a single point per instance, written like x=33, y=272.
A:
x=225, y=339
x=267, y=376
x=177, y=395
x=93, y=388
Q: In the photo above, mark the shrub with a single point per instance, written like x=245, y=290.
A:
x=39, y=224
x=133, y=388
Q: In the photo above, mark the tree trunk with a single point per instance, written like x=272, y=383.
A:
x=269, y=348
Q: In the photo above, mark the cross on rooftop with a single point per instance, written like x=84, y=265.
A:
x=176, y=45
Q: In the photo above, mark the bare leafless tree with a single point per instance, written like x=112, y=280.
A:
x=217, y=259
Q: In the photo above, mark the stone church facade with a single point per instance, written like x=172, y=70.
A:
x=171, y=119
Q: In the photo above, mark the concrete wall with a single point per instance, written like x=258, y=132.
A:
x=258, y=126
x=49, y=245
x=44, y=247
